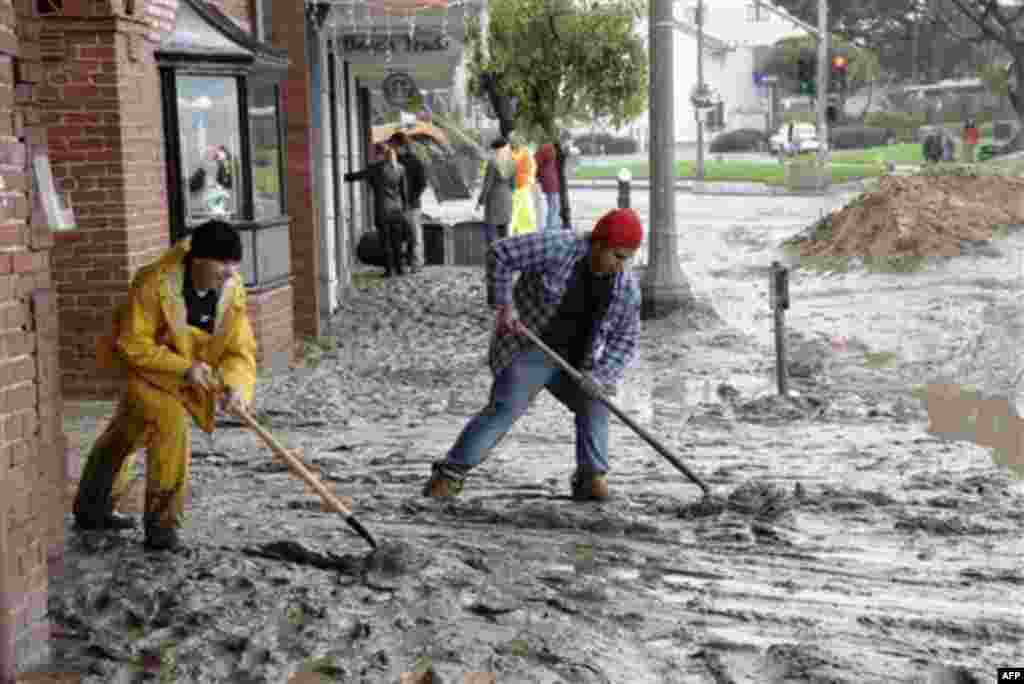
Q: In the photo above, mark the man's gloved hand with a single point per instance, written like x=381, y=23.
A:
x=233, y=401
x=508, y=322
x=202, y=375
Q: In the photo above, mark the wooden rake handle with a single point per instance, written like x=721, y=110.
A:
x=296, y=465
x=644, y=434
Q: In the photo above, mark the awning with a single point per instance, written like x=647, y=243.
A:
x=202, y=33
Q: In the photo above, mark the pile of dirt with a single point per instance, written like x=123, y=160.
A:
x=918, y=216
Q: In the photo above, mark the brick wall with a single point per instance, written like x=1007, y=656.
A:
x=273, y=323
x=32, y=444
x=101, y=105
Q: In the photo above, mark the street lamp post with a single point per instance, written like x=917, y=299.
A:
x=700, y=88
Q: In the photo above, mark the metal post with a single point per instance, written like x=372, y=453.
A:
x=823, y=69
x=625, y=180
x=779, y=296
x=700, y=88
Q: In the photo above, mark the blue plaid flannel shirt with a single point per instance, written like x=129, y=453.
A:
x=545, y=261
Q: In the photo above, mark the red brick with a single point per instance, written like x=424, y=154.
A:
x=10, y=234
x=22, y=262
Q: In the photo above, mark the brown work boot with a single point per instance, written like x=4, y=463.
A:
x=441, y=487
x=162, y=538
x=589, y=486
x=445, y=481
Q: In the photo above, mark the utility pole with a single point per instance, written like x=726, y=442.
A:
x=823, y=69
x=700, y=89
x=664, y=287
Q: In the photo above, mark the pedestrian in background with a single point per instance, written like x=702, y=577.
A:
x=496, y=196
x=390, y=201
x=550, y=187
x=948, y=147
x=496, y=193
x=524, y=217
x=970, y=139
x=416, y=177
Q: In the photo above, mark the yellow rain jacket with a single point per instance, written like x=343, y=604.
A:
x=152, y=338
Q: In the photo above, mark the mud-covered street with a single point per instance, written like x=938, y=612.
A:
x=854, y=546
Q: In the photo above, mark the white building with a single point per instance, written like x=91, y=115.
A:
x=736, y=33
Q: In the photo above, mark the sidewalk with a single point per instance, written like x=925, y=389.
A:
x=733, y=187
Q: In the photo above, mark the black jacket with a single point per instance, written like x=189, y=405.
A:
x=390, y=193
x=416, y=177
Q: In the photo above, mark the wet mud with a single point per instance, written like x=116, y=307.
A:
x=843, y=543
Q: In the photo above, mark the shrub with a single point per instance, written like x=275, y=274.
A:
x=859, y=137
x=800, y=117
x=895, y=120
x=591, y=144
x=740, y=140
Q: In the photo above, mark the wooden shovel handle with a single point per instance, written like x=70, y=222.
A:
x=296, y=465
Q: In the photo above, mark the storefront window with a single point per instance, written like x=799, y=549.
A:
x=266, y=152
x=210, y=142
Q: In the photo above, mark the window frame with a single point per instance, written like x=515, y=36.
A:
x=245, y=222
x=282, y=143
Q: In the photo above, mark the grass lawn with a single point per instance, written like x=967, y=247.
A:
x=846, y=165
x=902, y=153
x=772, y=174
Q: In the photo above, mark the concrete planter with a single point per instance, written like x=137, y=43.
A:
x=807, y=175
x=461, y=244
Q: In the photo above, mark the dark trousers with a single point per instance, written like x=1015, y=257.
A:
x=492, y=233
x=394, y=232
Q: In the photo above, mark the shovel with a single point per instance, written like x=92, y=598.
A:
x=298, y=468
x=647, y=437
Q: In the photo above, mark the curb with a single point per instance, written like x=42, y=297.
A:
x=726, y=188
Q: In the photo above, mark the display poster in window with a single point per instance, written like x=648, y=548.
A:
x=209, y=120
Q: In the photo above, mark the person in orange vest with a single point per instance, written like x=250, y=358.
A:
x=970, y=138
x=524, y=217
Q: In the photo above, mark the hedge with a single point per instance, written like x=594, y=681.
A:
x=859, y=137
x=591, y=144
x=740, y=140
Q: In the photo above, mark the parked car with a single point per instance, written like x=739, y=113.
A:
x=804, y=139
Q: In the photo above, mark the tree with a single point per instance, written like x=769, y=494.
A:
x=909, y=36
x=1002, y=24
x=563, y=60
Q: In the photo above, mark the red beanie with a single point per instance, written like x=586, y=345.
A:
x=619, y=228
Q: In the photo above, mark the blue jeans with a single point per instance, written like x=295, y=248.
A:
x=514, y=388
x=552, y=211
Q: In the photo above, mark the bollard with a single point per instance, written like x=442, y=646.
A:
x=625, y=178
x=779, y=296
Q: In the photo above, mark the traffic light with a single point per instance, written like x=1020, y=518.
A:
x=805, y=74
x=840, y=65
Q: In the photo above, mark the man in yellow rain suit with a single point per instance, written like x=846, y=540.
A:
x=184, y=336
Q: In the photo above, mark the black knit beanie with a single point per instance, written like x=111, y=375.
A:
x=216, y=240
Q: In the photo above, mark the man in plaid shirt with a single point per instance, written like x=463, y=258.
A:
x=577, y=295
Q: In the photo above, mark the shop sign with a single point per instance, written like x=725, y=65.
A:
x=399, y=89
x=396, y=43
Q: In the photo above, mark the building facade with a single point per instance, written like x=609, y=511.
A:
x=737, y=36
